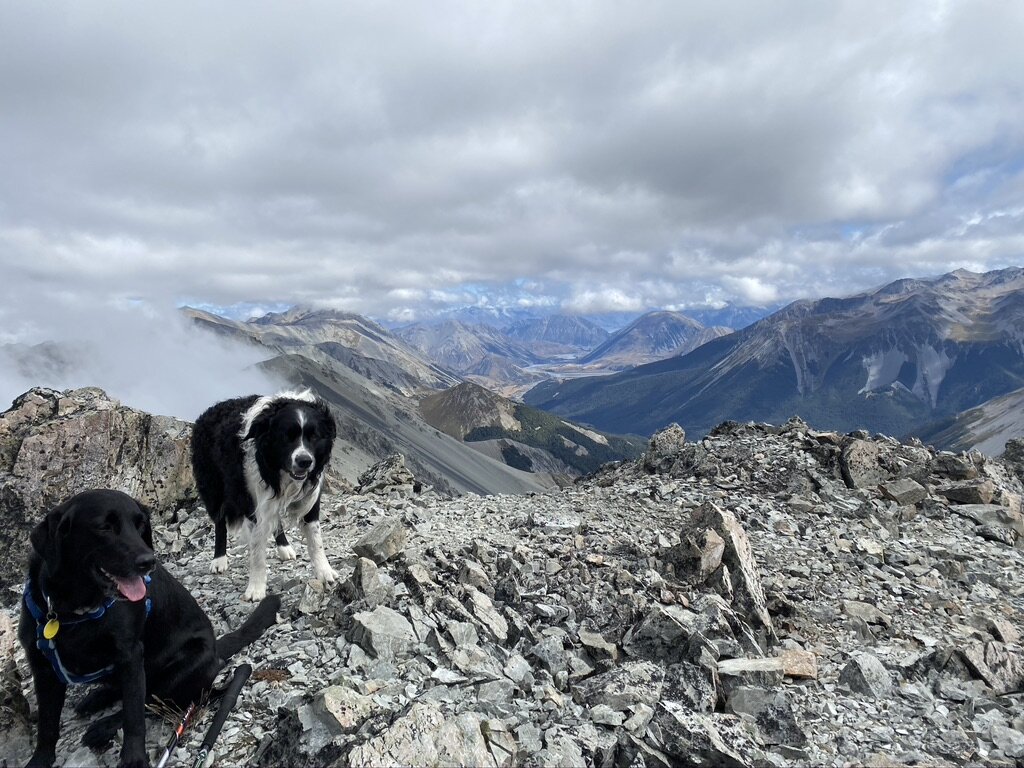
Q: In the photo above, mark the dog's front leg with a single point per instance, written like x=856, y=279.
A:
x=132, y=672
x=257, y=588
x=315, y=545
x=50, y=694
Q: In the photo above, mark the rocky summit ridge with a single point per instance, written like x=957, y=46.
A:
x=766, y=596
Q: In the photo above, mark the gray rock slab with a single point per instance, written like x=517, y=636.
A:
x=383, y=633
x=865, y=674
x=383, y=541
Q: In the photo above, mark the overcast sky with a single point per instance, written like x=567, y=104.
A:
x=396, y=158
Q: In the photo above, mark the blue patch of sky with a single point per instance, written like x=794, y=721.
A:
x=986, y=167
x=240, y=311
x=847, y=231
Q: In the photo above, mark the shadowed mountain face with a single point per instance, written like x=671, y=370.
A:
x=893, y=360
x=476, y=415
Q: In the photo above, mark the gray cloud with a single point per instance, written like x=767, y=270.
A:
x=391, y=158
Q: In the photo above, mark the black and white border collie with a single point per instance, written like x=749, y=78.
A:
x=258, y=461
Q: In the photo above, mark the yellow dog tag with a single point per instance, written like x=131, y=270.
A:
x=51, y=628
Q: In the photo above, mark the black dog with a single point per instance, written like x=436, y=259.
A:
x=98, y=607
x=260, y=461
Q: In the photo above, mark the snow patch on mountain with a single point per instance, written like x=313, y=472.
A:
x=882, y=369
x=597, y=437
x=932, y=366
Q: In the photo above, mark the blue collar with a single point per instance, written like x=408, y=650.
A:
x=49, y=646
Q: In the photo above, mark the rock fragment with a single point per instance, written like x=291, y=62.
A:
x=383, y=541
x=865, y=674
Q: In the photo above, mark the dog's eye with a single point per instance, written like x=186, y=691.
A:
x=293, y=432
x=140, y=522
x=310, y=431
x=110, y=523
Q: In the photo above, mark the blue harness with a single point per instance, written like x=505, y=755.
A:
x=49, y=647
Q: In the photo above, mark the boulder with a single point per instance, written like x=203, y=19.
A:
x=865, y=674
x=56, y=444
x=663, y=450
x=383, y=541
x=389, y=476
x=771, y=711
x=426, y=736
x=860, y=464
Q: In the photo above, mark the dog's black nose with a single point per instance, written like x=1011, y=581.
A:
x=304, y=462
x=145, y=563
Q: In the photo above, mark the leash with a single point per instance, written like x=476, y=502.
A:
x=46, y=632
x=241, y=674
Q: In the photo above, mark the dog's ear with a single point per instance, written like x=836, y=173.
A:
x=261, y=423
x=147, y=528
x=45, y=537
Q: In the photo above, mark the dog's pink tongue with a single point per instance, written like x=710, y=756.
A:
x=133, y=587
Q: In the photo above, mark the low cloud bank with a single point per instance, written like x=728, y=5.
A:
x=151, y=359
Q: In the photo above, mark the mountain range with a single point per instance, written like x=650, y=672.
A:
x=513, y=358
x=375, y=381
x=903, y=359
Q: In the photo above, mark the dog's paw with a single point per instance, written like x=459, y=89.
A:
x=42, y=760
x=100, y=734
x=133, y=761
x=219, y=564
x=327, y=575
x=286, y=552
x=255, y=592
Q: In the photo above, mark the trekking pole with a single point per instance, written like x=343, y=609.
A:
x=186, y=720
x=242, y=672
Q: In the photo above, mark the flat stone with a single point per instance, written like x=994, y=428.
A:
x=1000, y=665
x=739, y=556
x=904, y=491
x=869, y=613
x=483, y=609
x=974, y=492
x=602, y=714
x=767, y=672
x=474, y=575
x=994, y=515
x=501, y=742
x=799, y=664
x=860, y=465
x=555, y=522
x=630, y=684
